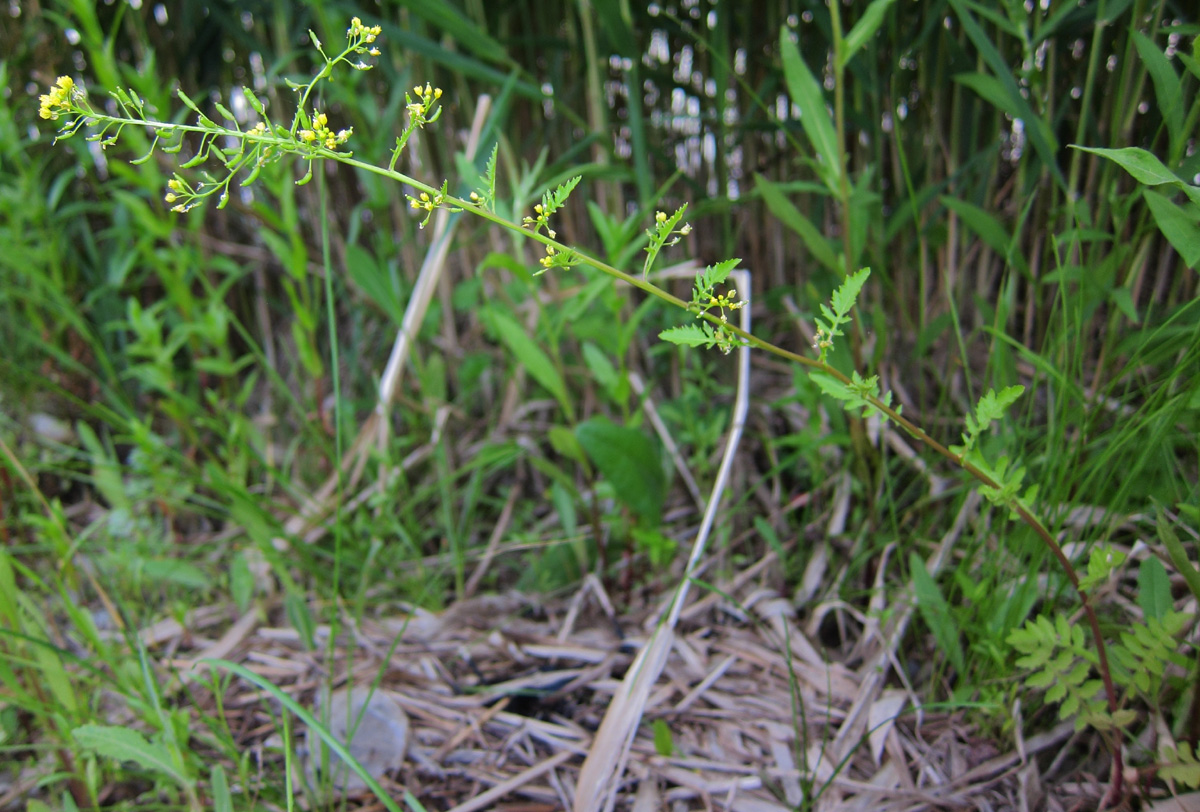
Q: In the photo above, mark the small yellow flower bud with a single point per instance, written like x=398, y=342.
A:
x=661, y=217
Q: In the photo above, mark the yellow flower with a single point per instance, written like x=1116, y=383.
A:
x=321, y=134
x=58, y=100
x=366, y=34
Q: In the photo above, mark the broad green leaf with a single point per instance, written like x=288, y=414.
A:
x=806, y=93
x=221, y=798
x=125, y=744
x=1144, y=166
x=1166, y=85
x=864, y=29
x=790, y=216
x=936, y=612
x=601, y=368
x=628, y=460
x=563, y=441
x=372, y=279
x=1154, y=589
x=664, y=743
x=1179, y=227
x=532, y=357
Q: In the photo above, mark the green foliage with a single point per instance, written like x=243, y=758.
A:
x=664, y=742
x=1154, y=589
x=1102, y=561
x=630, y=464
x=936, y=613
x=123, y=744
x=194, y=381
x=1060, y=662
x=991, y=407
x=486, y=198
x=829, y=323
x=1146, y=650
x=806, y=93
x=666, y=232
x=551, y=203
x=1180, y=764
x=1180, y=224
x=707, y=300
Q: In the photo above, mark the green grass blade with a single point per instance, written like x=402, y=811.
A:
x=532, y=357
x=308, y=719
x=807, y=94
x=864, y=29
x=791, y=217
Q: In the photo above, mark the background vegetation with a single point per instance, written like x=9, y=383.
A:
x=169, y=398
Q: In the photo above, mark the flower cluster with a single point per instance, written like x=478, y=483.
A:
x=725, y=300
x=541, y=221
x=823, y=340
x=429, y=203
x=360, y=35
x=667, y=231
x=321, y=135
x=59, y=99
x=557, y=259
x=661, y=218
x=421, y=109
x=182, y=195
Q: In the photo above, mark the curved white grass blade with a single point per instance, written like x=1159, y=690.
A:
x=605, y=763
x=602, y=769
